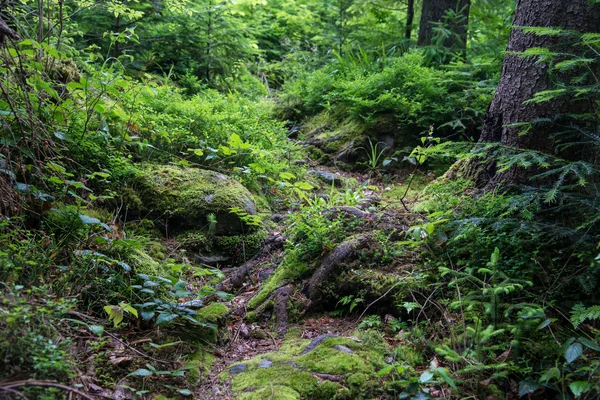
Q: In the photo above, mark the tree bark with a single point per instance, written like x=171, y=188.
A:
x=410, y=16
x=434, y=11
x=522, y=77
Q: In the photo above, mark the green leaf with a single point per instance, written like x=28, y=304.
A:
x=97, y=330
x=165, y=317
x=580, y=387
x=142, y=372
x=527, y=387
x=385, y=370
x=442, y=372
x=287, y=176
x=425, y=377
x=573, y=352
x=589, y=343
x=61, y=136
x=303, y=185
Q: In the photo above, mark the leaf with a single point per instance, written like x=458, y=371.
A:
x=287, y=176
x=97, y=330
x=589, y=343
x=303, y=185
x=425, y=377
x=385, y=370
x=546, y=323
x=526, y=387
x=442, y=372
x=125, y=266
x=142, y=372
x=580, y=387
x=147, y=315
x=86, y=220
x=165, y=317
x=573, y=352
x=184, y=392
x=62, y=136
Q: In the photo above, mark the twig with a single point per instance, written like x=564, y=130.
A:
x=137, y=351
x=13, y=391
x=45, y=384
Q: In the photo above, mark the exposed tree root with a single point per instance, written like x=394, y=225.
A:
x=237, y=278
x=386, y=220
x=331, y=262
x=282, y=296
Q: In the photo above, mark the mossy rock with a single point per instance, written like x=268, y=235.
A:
x=185, y=197
x=235, y=248
x=290, y=374
x=213, y=313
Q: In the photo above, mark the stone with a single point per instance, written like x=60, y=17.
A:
x=213, y=260
x=237, y=369
x=343, y=349
x=327, y=177
x=317, y=341
x=189, y=198
x=265, y=363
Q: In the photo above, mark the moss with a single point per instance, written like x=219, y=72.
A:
x=410, y=355
x=143, y=263
x=199, y=364
x=274, y=392
x=289, y=269
x=157, y=250
x=189, y=196
x=291, y=374
x=213, y=313
x=239, y=247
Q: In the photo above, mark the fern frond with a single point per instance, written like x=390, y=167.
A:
x=580, y=314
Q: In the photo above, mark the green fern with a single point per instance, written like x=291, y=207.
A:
x=581, y=313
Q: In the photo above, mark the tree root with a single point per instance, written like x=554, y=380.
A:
x=332, y=261
x=386, y=220
x=237, y=278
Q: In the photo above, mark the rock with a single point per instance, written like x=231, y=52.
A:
x=317, y=341
x=213, y=260
x=343, y=349
x=294, y=131
x=264, y=274
x=237, y=369
x=265, y=363
x=213, y=313
x=189, y=198
x=277, y=217
x=327, y=177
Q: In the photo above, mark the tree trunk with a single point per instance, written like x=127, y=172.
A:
x=434, y=11
x=523, y=77
x=410, y=16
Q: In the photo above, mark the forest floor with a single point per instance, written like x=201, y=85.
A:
x=250, y=341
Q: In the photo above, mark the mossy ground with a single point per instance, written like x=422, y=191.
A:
x=293, y=375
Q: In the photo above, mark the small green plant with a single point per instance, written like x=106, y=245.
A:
x=350, y=301
x=376, y=161
x=371, y=322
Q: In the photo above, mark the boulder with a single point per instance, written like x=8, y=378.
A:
x=187, y=198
